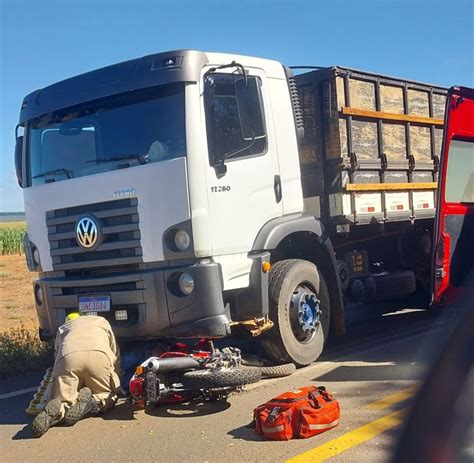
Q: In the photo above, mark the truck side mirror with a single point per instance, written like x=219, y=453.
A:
x=19, y=160
x=249, y=106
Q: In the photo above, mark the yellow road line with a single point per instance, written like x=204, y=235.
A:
x=351, y=439
x=393, y=399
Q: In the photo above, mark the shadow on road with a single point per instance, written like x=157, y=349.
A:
x=361, y=341
x=246, y=433
x=12, y=411
x=378, y=324
x=383, y=372
x=191, y=409
x=123, y=411
x=24, y=433
x=400, y=346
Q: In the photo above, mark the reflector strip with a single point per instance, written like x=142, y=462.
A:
x=275, y=429
x=315, y=427
x=390, y=186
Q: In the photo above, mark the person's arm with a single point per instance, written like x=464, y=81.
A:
x=57, y=344
x=113, y=342
x=114, y=347
x=118, y=365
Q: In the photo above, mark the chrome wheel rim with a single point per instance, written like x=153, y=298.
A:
x=305, y=314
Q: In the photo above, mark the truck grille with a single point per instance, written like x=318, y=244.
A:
x=119, y=243
x=109, y=288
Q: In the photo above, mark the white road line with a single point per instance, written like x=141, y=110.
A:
x=16, y=393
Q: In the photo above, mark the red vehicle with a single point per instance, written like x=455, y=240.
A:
x=453, y=260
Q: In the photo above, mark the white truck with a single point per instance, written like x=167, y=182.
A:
x=189, y=194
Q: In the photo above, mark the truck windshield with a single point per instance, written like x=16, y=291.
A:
x=112, y=133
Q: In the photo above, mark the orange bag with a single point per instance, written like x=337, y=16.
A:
x=302, y=413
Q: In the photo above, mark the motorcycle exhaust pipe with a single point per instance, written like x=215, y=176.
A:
x=172, y=363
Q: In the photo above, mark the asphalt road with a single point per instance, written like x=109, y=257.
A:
x=374, y=371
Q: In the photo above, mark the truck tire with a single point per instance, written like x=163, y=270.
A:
x=299, y=307
x=217, y=378
x=396, y=285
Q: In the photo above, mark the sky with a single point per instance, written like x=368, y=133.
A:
x=45, y=41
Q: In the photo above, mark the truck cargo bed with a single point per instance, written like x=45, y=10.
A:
x=371, y=145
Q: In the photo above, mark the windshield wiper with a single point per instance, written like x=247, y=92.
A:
x=61, y=170
x=141, y=158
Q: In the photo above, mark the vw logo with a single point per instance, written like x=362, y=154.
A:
x=87, y=232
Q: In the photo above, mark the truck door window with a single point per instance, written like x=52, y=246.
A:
x=460, y=172
x=224, y=134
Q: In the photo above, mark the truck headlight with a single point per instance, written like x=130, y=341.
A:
x=186, y=283
x=182, y=240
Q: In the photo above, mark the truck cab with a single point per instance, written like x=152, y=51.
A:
x=144, y=198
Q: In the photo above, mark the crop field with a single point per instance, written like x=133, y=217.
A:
x=19, y=342
x=16, y=294
x=11, y=237
x=16, y=298
x=17, y=305
x=20, y=347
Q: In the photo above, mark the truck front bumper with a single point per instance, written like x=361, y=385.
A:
x=155, y=306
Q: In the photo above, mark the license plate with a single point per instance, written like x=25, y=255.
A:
x=151, y=392
x=94, y=304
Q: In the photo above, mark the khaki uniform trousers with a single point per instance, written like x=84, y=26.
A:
x=92, y=369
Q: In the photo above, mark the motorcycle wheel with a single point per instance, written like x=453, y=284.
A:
x=220, y=377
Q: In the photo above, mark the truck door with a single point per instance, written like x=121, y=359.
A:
x=243, y=177
x=453, y=259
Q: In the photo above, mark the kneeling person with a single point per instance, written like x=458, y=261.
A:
x=86, y=374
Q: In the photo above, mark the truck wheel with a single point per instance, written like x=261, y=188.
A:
x=216, y=378
x=396, y=285
x=299, y=307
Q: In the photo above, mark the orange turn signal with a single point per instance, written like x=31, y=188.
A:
x=139, y=370
x=266, y=266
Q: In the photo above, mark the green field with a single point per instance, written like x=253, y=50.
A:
x=11, y=237
x=13, y=224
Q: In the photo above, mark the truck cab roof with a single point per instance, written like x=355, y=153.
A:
x=148, y=71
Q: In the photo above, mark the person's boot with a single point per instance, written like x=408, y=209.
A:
x=50, y=416
x=84, y=406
